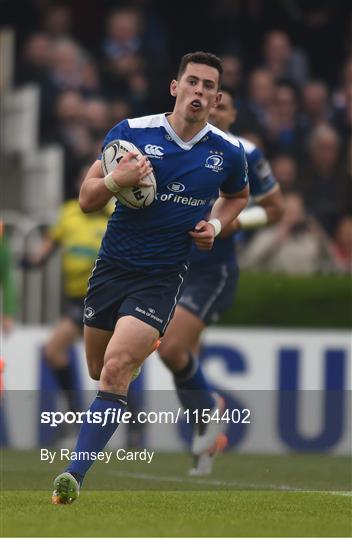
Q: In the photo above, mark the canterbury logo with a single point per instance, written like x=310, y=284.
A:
x=89, y=313
x=154, y=151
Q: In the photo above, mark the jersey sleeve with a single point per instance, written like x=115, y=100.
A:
x=120, y=131
x=261, y=179
x=238, y=177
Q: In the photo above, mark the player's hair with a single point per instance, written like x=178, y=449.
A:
x=200, y=57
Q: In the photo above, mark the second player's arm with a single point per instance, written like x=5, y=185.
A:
x=270, y=206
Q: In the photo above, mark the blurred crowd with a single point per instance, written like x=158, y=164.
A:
x=288, y=66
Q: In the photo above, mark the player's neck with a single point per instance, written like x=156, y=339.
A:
x=185, y=130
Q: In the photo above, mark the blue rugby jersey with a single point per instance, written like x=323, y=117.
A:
x=189, y=175
x=261, y=183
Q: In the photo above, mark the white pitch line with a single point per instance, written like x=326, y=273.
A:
x=213, y=482
x=340, y=493
x=221, y=483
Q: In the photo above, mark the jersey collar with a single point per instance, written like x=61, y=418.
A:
x=184, y=145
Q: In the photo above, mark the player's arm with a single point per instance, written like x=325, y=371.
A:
x=97, y=190
x=267, y=210
x=225, y=209
x=233, y=198
x=46, y=248
x=41, y=255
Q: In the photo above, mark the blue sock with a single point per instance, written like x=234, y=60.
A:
x=94, y=437
x=193, y=389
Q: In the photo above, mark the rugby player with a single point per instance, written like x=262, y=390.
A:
x=210, y=289
x=140, y=270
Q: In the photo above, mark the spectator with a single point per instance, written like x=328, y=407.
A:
x=124, y=34
x=34, y=68
x=292, y=246
x=285, y=133
x=96, y=117
x=69, y=66
x=74, y=136
x=282, y=60
x=284, y=169
x=324, y=182
x=129, y=32
x=316, y=108
x=120, y=109
x=342, y=245
x=36, y=56
x=232, y=74
x=57, y=21
x=339, y=95
x=91, y=81
x=124, y=48
x=69, y=115
x=139, y=93
x=253, y=114
x=342, y=101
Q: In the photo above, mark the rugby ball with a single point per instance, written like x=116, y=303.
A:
x=134, y=197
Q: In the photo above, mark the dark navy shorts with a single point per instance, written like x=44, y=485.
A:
x=210, y=291
x=114, y=291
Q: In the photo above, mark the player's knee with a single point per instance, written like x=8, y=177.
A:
x=172, y=353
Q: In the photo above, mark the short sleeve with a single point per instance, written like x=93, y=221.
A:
x=238, y=177
x=120, y=131
x=261, y=179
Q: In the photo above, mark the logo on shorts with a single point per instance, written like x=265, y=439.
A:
x=214, y=162
x=89, y=313
x=154, y=151
x=149, y=313
x=176, y=187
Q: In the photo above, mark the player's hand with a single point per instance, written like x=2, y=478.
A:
x=203, y=235
x=132, y=170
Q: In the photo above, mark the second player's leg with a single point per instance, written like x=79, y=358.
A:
x=179, y=350
x=181, y=338
x=176, y=350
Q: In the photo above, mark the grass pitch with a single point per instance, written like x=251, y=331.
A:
x=248, y=495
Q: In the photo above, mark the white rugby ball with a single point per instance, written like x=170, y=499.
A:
x=134, y=197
